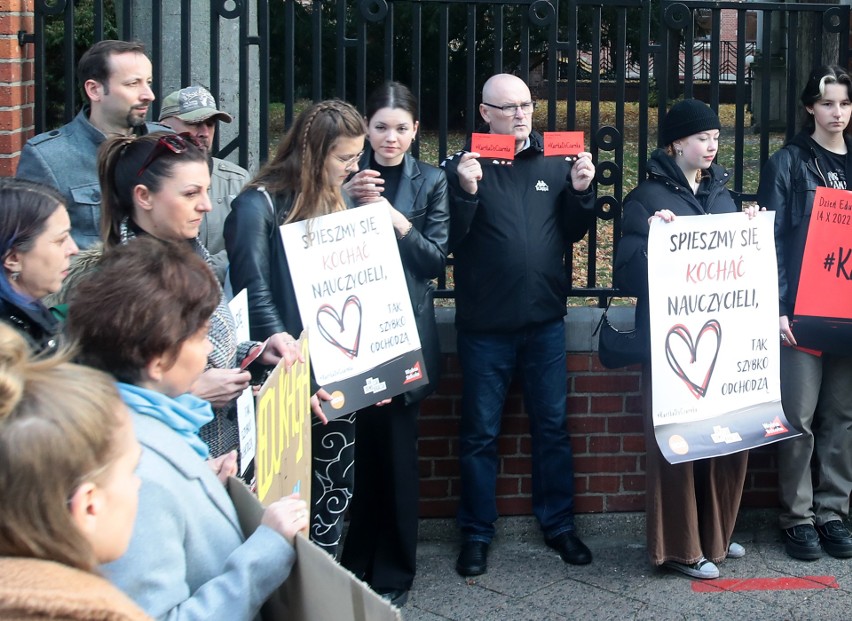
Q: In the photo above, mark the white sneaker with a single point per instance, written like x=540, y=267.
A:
x=702, y=569
x=735, y=550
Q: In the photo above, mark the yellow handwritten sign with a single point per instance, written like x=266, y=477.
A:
x=283, y=462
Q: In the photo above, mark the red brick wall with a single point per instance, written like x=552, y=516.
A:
x=16, y=82
x=604, y=417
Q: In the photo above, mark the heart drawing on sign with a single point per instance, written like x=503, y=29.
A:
x=701, y=355
x=343, y=330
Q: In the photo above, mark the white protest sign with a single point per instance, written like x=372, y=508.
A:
x=245, y=402
x=353, y=300
x=713, y=301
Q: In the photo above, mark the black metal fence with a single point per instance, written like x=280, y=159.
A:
x=570, y=51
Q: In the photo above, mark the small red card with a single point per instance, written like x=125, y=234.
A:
x=564, y=143
x=501, y=146
x=254, y=354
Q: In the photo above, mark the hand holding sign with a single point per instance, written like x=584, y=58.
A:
x=287, y=517
x=470, y=172
x=582, y=172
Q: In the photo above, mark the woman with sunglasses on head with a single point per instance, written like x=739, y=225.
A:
x=68, y=456
x=157, y=185
x=143, y=316
x=816, y=391
x=381, y=542
x=35, y=237
x=302, y=181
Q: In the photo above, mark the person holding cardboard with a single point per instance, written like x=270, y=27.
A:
x=815, y=389
x=144, y=317
x=63, y=511
x=512, y=220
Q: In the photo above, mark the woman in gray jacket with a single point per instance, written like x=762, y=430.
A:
x=143, y=316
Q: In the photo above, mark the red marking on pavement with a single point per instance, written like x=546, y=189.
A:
x=787, y=583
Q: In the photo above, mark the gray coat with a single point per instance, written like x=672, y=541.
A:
x=67, y=159
x=226, y=181
x=187, y=558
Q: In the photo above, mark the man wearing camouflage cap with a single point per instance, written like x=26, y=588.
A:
x=193, y=109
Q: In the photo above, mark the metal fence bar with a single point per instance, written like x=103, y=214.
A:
x=565, y=50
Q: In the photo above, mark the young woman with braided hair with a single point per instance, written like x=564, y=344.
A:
x=302, y=181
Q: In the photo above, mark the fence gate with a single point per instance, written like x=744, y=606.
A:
x=608, y=67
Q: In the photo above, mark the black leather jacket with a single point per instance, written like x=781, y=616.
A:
x=788, y=183
x=259, y=264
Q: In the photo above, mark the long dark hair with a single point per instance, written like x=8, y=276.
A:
x=120, y=160
x=299, y=163
x=392, y=95
x=26, y=208
x=815, y=90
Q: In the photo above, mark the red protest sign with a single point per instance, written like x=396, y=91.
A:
x=825, y=285
x=501, y=146
x=822, y=318
x=564, y=143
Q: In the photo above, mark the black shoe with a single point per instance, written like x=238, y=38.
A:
x=836, y=539
x=472, y=558
x=802, y=542
x=397, y=597
x=570, y=548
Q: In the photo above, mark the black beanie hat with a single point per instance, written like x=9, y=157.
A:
x=686, y=118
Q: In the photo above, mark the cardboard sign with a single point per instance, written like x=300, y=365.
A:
x=564, y=143
x=245, y=402
x=353, y=299
x=499, y=146
x=822, y=318
x=318, y=587
x=713, y=302
x=283, y=462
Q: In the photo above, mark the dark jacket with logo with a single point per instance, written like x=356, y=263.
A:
x=67, y=159
x=665, y=188
x=788, y=184
x=510, y=239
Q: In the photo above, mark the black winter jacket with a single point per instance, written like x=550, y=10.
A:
x=262, y=268
x=788, y=184
x=510, y=239
x=36, y=324
x=665, y=188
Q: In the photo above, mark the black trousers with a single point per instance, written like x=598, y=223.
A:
x=381, y=544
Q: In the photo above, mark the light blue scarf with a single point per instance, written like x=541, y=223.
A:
x=185, y=415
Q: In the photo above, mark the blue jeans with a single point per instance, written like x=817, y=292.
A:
x=488, y=362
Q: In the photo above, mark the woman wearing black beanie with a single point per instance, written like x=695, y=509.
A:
x=691, y=508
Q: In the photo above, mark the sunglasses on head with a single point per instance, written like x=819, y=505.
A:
x=170, y=143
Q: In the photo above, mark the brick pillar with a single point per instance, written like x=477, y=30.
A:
x=17, y=89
